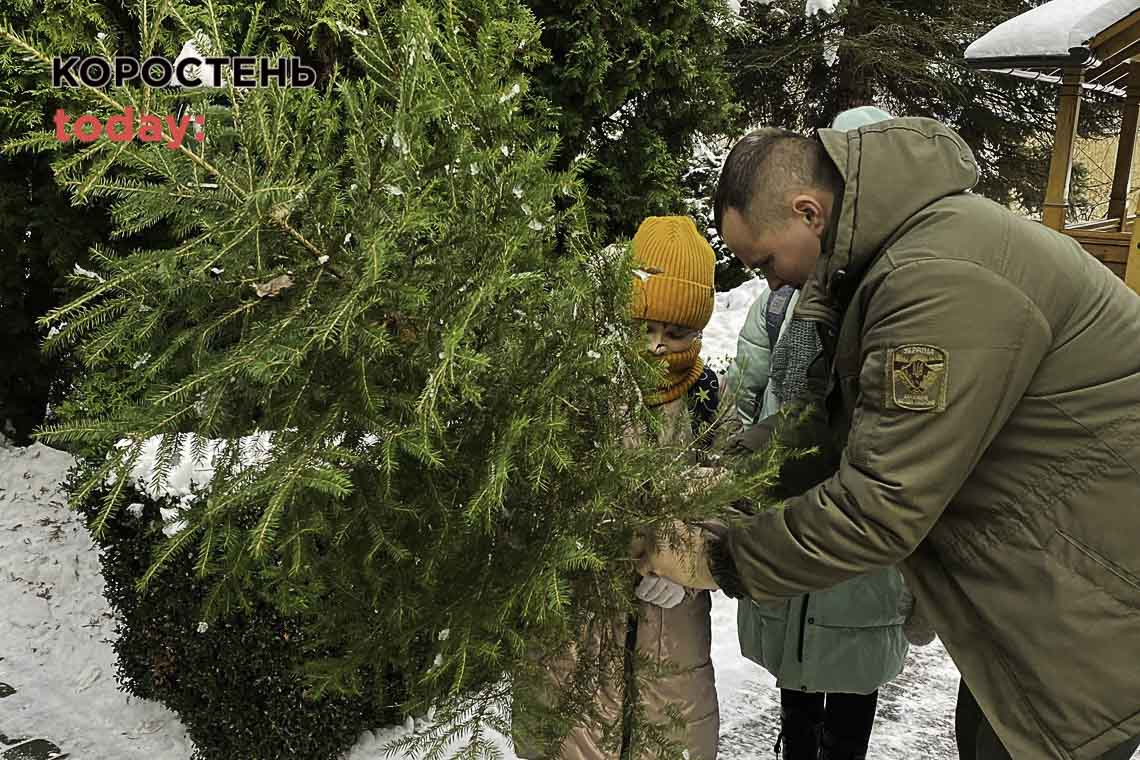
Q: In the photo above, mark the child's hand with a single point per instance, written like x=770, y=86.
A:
x=660, y=591
x=916, y=628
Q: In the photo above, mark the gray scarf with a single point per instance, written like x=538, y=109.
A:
x=796, y=349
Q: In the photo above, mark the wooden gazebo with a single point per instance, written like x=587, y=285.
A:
x=1081, y=45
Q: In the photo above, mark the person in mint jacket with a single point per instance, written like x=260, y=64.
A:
x=830, y=651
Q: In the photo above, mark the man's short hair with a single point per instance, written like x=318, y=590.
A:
x=766, y=166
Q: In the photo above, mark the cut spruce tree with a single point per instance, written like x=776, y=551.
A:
x=385, y=327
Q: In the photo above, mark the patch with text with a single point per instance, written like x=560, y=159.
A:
x=916, y=378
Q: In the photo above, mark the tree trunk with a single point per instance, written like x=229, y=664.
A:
x=852, y=83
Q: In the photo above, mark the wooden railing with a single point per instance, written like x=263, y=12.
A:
x=1105, y=241
x=1111, y=224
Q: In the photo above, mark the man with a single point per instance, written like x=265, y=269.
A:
x=985, y=380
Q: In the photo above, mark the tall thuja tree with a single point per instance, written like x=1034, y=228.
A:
x=699, y=184
x=42, y=236
x=390, y=280
x=635, y=84
x=798, y=65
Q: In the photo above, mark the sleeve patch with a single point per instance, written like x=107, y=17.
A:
x=917, y=378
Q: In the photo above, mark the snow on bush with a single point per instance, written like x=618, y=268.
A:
x=188, y=473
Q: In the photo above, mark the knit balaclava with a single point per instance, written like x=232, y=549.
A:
x=674, y=284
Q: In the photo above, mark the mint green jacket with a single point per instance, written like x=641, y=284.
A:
x=848, y=638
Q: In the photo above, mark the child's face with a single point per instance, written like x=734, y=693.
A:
x=667, y=338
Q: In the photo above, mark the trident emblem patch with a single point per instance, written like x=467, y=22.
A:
x=916, y=378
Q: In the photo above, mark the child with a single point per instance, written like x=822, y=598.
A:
x=831, y=650
x=673, y=297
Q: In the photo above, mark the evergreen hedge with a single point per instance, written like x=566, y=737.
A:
x=234, y=683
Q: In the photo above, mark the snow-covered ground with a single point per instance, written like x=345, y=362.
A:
x=56, y=631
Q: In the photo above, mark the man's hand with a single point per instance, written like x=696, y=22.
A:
x=660, y=591
x=800, y=426
x=756, y=437
x=684, y=561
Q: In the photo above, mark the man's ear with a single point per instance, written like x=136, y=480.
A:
x=809, y=209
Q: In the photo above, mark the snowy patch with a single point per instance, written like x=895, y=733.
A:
x=718, y=340
x=88, y=274
x=510, y=93
x=208, y=74
x=186, y=474
x=820, y=6
x=173, y=524
x=1052, y=29
x=58, y=630
x=831, y=51
x=400, y=144
x=340, y=25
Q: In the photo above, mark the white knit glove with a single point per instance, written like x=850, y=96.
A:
x=660, y=591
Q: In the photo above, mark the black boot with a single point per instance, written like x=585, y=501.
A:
x=832, y=747
x=798, y=745
x=847, y=726
x=801, y=720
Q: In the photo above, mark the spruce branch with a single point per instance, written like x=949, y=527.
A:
x=20, y=43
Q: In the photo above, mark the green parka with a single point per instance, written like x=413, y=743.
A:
x=987, y=374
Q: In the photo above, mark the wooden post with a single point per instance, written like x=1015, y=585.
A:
x=1122, y=175
x=1132, y=268
x=1061, y=166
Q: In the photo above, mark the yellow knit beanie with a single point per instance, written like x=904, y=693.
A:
x=676, y=265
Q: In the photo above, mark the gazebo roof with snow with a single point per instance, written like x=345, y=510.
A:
x=1099, y=37
x=1081, y=44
